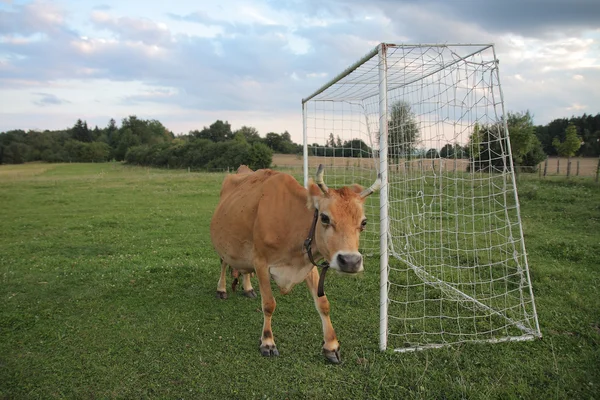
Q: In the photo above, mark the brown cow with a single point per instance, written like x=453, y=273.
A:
x=261, y=223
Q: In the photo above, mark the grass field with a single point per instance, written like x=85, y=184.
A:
x=108, y=283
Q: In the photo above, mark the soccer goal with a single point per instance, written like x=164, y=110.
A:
x=446, y=223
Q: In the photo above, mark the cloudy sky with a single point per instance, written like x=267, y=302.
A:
x=188, y=63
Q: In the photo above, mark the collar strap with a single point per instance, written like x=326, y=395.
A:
x=307, y=245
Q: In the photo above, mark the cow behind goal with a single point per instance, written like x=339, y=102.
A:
x=446, y=226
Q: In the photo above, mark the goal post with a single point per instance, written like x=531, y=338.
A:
x=446, y=225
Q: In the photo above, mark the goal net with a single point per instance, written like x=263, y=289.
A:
x=446, y=223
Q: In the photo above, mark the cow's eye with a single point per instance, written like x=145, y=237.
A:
x=363, y=224
x=325, y=219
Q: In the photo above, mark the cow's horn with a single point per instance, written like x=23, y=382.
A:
x=373, y=188
x=319, y=179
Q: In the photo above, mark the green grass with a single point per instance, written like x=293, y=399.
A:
x=107, y=283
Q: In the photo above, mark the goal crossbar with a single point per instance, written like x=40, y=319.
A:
x=375, y=51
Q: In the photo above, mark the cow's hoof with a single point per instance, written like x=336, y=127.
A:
x=333, y=355
x=221, y=295
x=250, y=293
x=269, y=350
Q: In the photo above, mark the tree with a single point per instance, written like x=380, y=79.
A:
x=111, y=130
x=260, y=156
x=570, y=145
x=250, y=133
x=460, y=151
x=488, y=146
x=218, y=131
x=330, y=141
x=447, y=151
x=126, y=140
x=534, y=157
x=80, y=132
x=356, y=148
x=282, y=143
x=403, y=132
x=522, y=134
x=475, y=140
x=432, y=153
x=273, y=141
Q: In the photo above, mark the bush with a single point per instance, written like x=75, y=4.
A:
x=260, y=156
x=201, y=153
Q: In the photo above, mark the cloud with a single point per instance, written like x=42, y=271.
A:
x=200, y=17
x=153, y=96
x=102, y=7
x=133, y=29
x=520, y=17
x=31, y=18
x=262, y=58
x=46, y=99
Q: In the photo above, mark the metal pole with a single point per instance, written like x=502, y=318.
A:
x=383, y=199
x=342, y=75
x=305, y=140
x=518, y=207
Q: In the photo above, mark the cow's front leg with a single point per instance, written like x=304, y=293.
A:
x=267, y=342
x=221, y=286
x=331, y=346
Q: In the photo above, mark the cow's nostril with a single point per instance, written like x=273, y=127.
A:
x=349, y=262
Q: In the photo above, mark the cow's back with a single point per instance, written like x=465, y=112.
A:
x=232, y=225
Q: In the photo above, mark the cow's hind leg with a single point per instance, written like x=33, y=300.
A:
x=331, y=346
x=267, y=342
x=247, y=283
x=235, y=275
x=221, y=286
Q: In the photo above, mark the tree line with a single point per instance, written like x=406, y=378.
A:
x=146, y=142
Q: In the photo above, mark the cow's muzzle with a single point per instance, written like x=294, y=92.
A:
x=349, y=263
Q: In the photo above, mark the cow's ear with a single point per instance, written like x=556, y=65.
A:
x=314, y=195
x=356, y=188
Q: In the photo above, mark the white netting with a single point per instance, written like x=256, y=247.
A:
x=458, y=270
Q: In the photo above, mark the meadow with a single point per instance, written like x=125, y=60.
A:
x=108, y=282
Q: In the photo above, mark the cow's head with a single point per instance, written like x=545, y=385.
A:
x=341, y=220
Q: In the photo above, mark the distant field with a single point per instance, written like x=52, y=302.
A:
x=556, y=165
x=107, y=291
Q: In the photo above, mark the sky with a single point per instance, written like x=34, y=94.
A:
x=189, y=63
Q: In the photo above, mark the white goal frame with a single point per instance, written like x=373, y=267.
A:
x=381, y=80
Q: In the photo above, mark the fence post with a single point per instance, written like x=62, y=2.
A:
x=598, y=170
x=568, y=167
x=545, y=167
x=578, y=161
x=558, y=166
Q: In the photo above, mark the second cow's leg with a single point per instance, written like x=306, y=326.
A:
x=267, y=342
x=331, y=346
x=247, y=283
